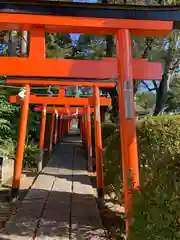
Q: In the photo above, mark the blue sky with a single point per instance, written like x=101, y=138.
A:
x=75, y=36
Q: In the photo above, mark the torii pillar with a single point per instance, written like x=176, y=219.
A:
x=127, y=119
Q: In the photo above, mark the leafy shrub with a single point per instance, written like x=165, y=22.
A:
x=112, y=166
x=156, y=209
x=30, y=155
x=7, y=147
x=107, y=129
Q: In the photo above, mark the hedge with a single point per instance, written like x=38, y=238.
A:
x=156, y=209
x=31, y=155
x=107, y=129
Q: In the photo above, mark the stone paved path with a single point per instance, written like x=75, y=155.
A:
x=61, y=203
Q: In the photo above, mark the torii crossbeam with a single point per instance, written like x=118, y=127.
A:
x=49, y=70
x=63, y=110
x=33, y=99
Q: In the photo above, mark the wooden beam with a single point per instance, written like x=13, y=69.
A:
x=88, y=25
x=61, y=101
x=62, y=110
x=60, y=83
x=67, y=68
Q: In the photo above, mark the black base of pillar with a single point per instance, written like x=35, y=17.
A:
x=100, y=192
x=14, y=194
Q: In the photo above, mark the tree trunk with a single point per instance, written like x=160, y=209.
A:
x=161, y=95
x=11, y=44
x=24, y=44
x=162, y=91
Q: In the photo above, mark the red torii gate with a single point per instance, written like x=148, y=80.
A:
x=24, y=69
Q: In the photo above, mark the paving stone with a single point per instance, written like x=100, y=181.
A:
x=56, y=216
x=53, y=231
x=62, y=185
x=77, y=198
x=32, y=204
x=44, y=182
x=23, y=225
x=14, y=236
x=65, y=196
x=59, y=207
x=83, y=229
x=50, y=170
x=65, y=171
x=57, y=204
x=82, y=189
x=37, y=194
x=53, y=225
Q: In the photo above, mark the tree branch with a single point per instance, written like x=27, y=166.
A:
x=148, y=47
x=160, y=1
x=155, y=84
x=149, y=89
x=174, y=65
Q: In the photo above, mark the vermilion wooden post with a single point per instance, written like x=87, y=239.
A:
x=84, y=130
x=60, y=127
x=80, y=126
x=56, y=128
x=98, y=143
x=65, y=126
x=42, y=134
x=21, y=144
x=89, y=139
x=85, y=127
x=51, y=131
x=61, y=92
x=127, y=119
x=69, y=125
x=37, y=44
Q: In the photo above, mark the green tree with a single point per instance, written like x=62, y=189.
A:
x=145, y=100
x=155, y=49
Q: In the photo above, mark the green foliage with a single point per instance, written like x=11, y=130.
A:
x=34, y=121
x=156, y=208
x=7, y=147
x=107, y=130
x=31, y=155
x=173, y=101
x=112, y=166
x=7, y=124
x=58, y=45
x=145, y=100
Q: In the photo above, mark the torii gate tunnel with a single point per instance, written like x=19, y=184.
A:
x=85, y=125
x=40, y=17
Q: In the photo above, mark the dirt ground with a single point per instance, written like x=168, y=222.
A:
x=112, y=218
x=111, y=215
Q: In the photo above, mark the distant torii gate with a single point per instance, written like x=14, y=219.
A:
x=83, y=113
